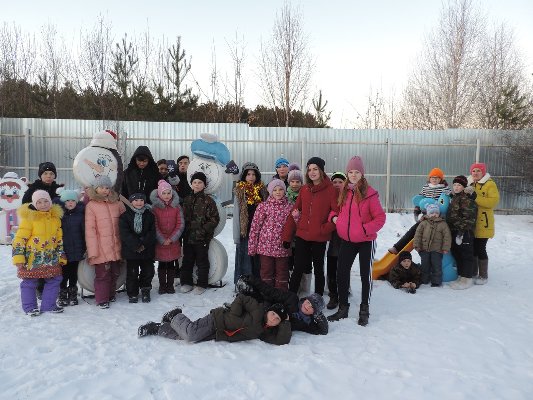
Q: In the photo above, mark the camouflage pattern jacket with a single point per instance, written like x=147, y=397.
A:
x=201, y=218
x=461, y=216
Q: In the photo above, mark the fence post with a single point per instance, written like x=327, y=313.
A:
x=27, y=153
x=302, y=157
x=387, y=190
x=478, y=149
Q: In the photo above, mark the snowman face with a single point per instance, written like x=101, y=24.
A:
x=212, y=170
x=92, y=162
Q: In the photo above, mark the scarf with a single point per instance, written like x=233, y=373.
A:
x=138, y=220
x=292, y=195
x=252, y=192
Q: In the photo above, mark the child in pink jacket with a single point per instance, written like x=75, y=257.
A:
x=265, y=236
x=169, y=225
x=102, y=236
x=358, y=222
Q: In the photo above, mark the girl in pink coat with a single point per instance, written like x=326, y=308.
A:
x=358, y=222
x=169, y=225
x=102, y=236
x=265, y=236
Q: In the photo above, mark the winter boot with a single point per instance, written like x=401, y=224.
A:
x=305, y=285
x=145, y=295
x=464, y=283
x=162, y=275
x=333, y=302
x=73, y=295
x=62, y=300
x=171, y=273
x=483, y=272
x=341, y=313
x=133, y=299
x=150, y=328
x=167, y=317
x=363, y=315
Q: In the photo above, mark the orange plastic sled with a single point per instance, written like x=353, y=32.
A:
x=383, y=266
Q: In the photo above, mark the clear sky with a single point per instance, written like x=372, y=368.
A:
x=357, y=45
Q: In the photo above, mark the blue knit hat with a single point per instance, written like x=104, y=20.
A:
x=67, y=195
x=432, y=209
x=282, y=161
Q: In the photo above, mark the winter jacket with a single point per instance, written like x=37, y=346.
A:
x=315, y=202
x=243, y=213
x=201, y=218
x=138, y=180
x=132, y=241
x=360, y=222
x=399, y=275
x=433, y=234
x=267, y=225
x=315, y=324
x=462, y=212
x=102, y=234
x=40, y=185
x=38, y=243
x=73, y=226
x=245, y=320
x=169, y=224
x=487, y=199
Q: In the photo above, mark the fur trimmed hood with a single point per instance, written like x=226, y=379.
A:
x=27, y=211
x=158, y=203
x=112, y=198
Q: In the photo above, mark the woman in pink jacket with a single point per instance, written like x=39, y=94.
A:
x=169, y=225
x=358, y=222
x=265, y=236
x=102, y=236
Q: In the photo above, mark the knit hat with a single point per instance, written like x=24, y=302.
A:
x=405, y=255
x=293, y=166
x=46, y=166
x=163, y=185
x=67, y=195
x=295, y=175
x=436, y=172
x=102, y=181
x=317, y=302
x=279, y=309
x=199, y=175
x=320, y=163
x=250, y=166
x=481, y=166
x=274, y=183
x=137, y=196
x=432, y=209
x=461, y=179
x=281, y=161
x=182, y=158
x=355, y=163
x=38, y=195
x=339, y=175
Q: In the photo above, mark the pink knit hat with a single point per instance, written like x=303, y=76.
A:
x=38, y=195
x=163, y=185
x=355, y=163
x=481, y=166
x=274, y=183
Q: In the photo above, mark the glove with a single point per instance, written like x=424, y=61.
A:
x=173, y=180
x=232, y=168
x=469, y=189
x=286, y=245
x=459, y=238
x=242, y=286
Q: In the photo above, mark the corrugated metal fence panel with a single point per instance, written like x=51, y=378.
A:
x=413, y=153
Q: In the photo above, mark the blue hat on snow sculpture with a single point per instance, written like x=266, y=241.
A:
x=209, y=147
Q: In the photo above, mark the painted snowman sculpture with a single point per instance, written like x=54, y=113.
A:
x=12, y=189
x=100, y=158
x=212, y=157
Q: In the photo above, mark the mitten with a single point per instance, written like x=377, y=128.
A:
x=469, y=189
x=232, y=168
x=459, y=238
x=242, y=286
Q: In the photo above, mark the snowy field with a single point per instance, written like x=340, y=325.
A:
x=436, y=344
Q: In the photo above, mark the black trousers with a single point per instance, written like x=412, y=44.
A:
x=139, y=274
x=347, y=253
x=195, y=254
x=70, y=274
x=480, y=248
x=332, y=276
x=308, y=255
x=464, y=254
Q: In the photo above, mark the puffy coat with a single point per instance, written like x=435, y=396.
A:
x=487, y=199
x=40, y=185
x=131, y=240
x=138, y=180
x=38, y=243
x=201, y=218
x=399, y=275
x=73, y=225
x=245, y=320
x=267, y=225
x=433, y=234
x=462, y=212
x=102, y=234
x=243, y=213
x=360, y=222
x=169, y=224
x=315, y=202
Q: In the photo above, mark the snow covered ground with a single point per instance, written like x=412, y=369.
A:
x=436, y=344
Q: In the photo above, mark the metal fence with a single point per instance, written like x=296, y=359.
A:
x=396, y=161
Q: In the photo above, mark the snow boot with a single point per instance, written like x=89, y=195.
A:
x=73, y=295
x=341, y=313
x=62, y=300
x=463, y=283
x=57, y=309
x=162, y=275
x=133, y=299
x=34, y=313
x=167, y=317
x=145, y=295
x=103, y=305
x=150, y=328
x=483, y=272
x=171, y=273
x=363, y=315
x=333, y=302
